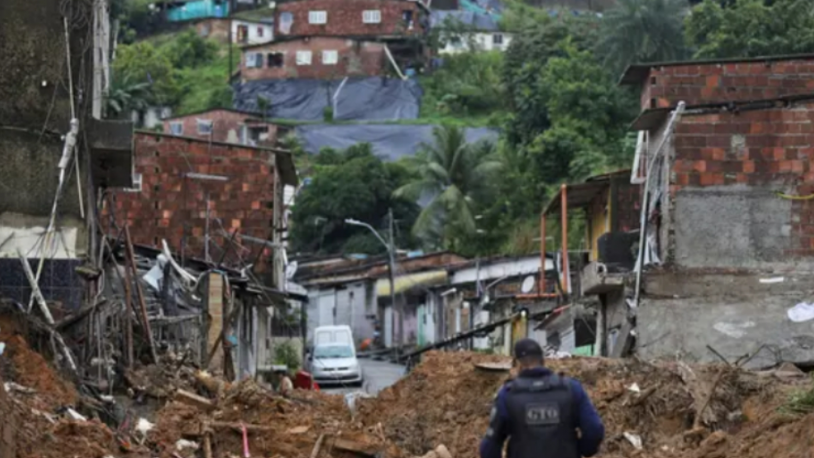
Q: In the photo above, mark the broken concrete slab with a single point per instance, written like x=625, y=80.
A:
x=733, y=326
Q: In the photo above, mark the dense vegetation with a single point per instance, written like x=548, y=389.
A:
x=553, y=95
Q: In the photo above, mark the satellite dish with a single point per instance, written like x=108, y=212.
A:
x=528, y=284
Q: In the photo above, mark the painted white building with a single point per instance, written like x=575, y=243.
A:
x=476, y=41
x=252, y=32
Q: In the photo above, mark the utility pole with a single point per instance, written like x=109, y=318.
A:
x=391, y=251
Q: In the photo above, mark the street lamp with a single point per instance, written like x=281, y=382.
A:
x=391, y=252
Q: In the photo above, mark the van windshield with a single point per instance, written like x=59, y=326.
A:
x=333, y=352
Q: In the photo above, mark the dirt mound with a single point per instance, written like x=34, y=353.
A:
x=276, y=426
x=24, y=366
x=446, y=400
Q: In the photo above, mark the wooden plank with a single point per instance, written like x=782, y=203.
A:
x=140, y=293
x=194, y=400
x=359, y=448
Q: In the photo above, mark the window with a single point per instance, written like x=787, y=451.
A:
x=204, y=126
x=242, y=34
x=274, y=59
x=136, y=184
x=254, y=60
x=286, y=21
x=303, y=57
x=317, y=17
x=456, y=42
x=177, y=128
x=371, y=16
x=260, y=31
x=497, y=39
x=330, y=57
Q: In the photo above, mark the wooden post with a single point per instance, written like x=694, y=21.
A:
x=142, y=304
x=128, y=330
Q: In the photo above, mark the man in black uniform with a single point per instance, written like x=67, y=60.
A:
x=542, y=414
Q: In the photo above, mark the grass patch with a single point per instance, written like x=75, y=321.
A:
x=800, y=402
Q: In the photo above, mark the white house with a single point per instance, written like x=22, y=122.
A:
x=462, y=31
x=252, y=32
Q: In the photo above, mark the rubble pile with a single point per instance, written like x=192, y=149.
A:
x=440, y=410
x=650, y=410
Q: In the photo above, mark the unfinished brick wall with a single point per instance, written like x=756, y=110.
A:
x=354, y=58
x=173, y=207
x=344, y=18
x=698, y=84
x=742, y=161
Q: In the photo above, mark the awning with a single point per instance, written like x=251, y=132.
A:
x=405, y=283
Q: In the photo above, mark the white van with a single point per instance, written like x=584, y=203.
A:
x=332, y=359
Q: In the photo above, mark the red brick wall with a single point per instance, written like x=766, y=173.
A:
x=354, y=59
x=769, y=149
x=345, y=18
x=699, y=84
x=226, y=126
x=168, y=201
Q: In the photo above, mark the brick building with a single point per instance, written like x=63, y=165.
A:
x=359, y=18
x=729, y=214
x=177, y=176
x=312, y=57
x=226, y=125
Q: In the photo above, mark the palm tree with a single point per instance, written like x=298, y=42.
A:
x=126, y=95
x=643, y=31
x=453, y=175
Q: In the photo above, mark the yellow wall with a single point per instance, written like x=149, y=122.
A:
x=599, y=221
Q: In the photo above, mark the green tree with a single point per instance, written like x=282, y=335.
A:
x=187, y=49
x=454, y=175
x=126, y=95
x=751, y=28
x=143, y=63
x=643, y=31
x=350, y=184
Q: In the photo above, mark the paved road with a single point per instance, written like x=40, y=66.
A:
x=378, y=376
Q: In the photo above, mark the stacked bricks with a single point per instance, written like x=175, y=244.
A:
x=355, y=58
x=173, y=207
x=726, y=82
x=345, y=19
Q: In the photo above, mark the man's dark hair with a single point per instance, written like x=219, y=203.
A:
x=528, y=352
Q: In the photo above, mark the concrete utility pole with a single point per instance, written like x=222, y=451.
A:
x=391, y=253
x=391, y=250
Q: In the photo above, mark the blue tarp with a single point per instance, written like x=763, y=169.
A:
x=369, y=99
x=478, y=21
x=389, y=141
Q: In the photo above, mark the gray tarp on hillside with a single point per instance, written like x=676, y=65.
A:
x=389, y=141
x=379, y=99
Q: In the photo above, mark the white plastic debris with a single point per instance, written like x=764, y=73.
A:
x=14, y=387
x=635, y=388
x=350, y=399
x=634, y=439
x=801, y=312
x=143, y=426
x=772, y=280
x=75, y=415
x=2, y=348
x=184, y=444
